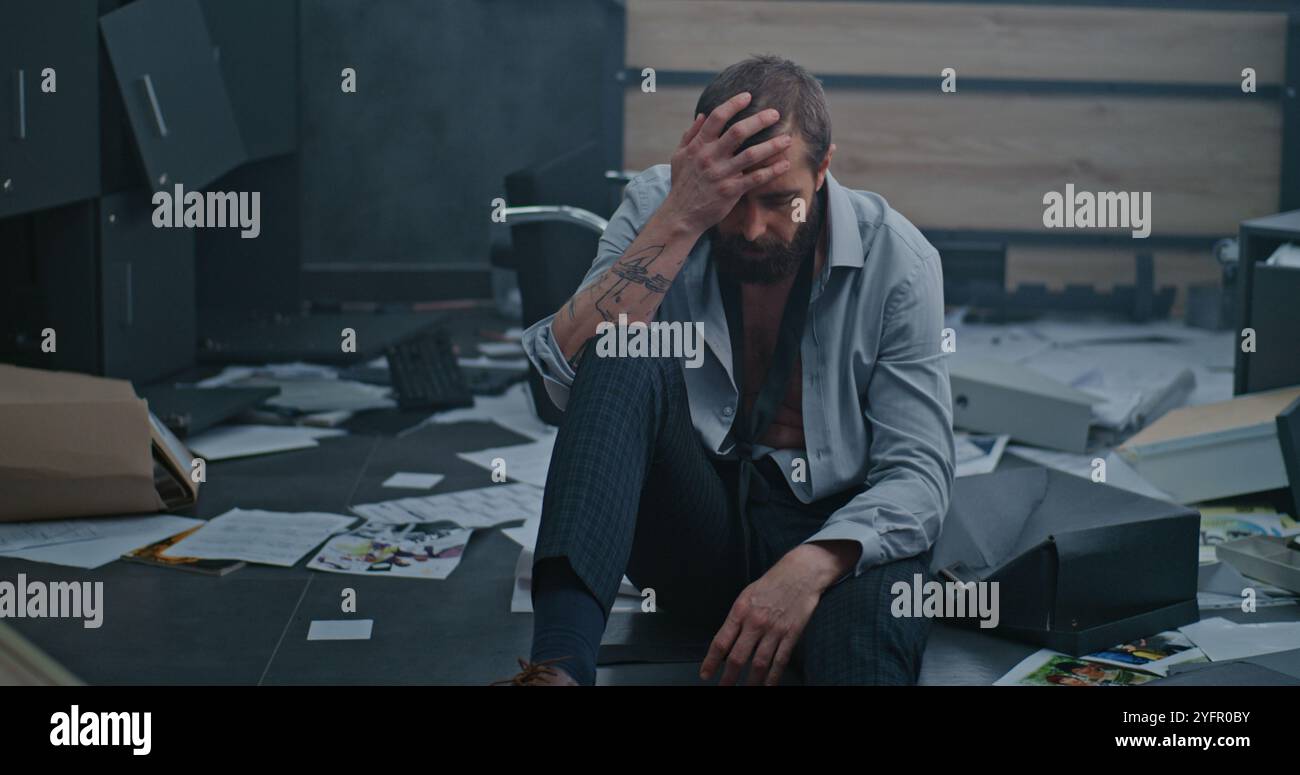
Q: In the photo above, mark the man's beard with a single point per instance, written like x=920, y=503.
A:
x=777, y=261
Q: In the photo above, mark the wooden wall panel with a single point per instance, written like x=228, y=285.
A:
x=1084, y=43
x=984, y=161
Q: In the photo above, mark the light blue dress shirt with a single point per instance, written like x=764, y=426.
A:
x=877, y=405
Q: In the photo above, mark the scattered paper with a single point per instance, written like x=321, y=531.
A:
x=1221, y=639
x=327, y=395
x=267, y=537
x=484, y=507
x=103, y=540
x=233, y=441
x=484, y=362
x=526, y=534
x=1155, y=654
x=512, y=410
x=1219, y=585
x=340, y=629
x=523, y=462
x=411, y=481
x=1222, y=524
x=23, y=535
x=499, y=349
x=978, y=454
x=429, y=550
x=1287, y=254
x=628, y=599
x=1118, y=472
x=1052, y=668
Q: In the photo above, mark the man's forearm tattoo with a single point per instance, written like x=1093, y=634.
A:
x=632, y=270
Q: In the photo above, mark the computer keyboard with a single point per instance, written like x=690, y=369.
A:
x=425, y=374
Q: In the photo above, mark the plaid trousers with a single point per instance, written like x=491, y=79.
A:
x=631, y=490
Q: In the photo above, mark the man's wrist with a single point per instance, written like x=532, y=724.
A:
x=827, y=561
x=675, y=223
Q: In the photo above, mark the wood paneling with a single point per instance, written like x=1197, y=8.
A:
x=1084, y=43
x=984, y=161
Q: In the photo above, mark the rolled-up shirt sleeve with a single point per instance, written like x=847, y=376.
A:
x=909, y=414
x=539, y=340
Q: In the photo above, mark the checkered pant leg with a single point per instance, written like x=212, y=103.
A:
x=631, y=490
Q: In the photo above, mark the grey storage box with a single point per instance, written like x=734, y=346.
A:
x=1080, y=565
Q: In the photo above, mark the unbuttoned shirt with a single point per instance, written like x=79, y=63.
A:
x=877, y=406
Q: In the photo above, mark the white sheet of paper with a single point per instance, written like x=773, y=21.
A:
x=378, y=550
x=627, y=601
x=113, y=537
x=526, y=534
x=523, y=462
x=267, y=537
x=1118, y=472
x=340, y=629
x=1222, y=639
x=480, y=508
x=978, y=453
x=413, y=481
x=499, y=349
x=484, y=362
x=232, y=441
x=512, y=410
x=22, y=535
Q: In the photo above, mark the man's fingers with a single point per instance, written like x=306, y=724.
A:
x=742, y=130
x=722, y=114
x=692, y=130
x=758, y=154
x=780, y=661
x=740, y=654
x=719, y=647
x=762, y=175
x=763, y=657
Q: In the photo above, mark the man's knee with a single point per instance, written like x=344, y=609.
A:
x=636, y=364
x=625, y=378
x=854, y=636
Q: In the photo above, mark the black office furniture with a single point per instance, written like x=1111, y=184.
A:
x=49, y=105
x=1270, y=306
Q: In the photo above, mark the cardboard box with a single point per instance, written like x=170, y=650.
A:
x=73, y=445
x=1214, y=450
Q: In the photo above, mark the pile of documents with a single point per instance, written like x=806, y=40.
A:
x=87, y=543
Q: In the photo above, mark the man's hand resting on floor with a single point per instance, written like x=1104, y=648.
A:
x=769, y=616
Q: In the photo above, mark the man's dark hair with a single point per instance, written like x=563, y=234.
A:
x=774, y=83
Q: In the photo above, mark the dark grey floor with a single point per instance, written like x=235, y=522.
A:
x=163, y=626
x=170, y=627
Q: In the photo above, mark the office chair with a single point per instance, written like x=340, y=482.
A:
x=553, y=233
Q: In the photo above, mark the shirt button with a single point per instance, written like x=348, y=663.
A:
x=726, y=411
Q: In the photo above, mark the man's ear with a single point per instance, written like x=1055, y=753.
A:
x=825, y=165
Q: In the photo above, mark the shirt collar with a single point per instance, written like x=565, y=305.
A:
x=845, y=235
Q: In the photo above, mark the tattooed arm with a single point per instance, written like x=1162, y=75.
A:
x=635, y=285
x=709, y=176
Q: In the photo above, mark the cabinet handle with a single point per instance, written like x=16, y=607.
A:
x=153, y=103
x=20, y=114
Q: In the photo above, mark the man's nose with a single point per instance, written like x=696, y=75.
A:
x=754, y=227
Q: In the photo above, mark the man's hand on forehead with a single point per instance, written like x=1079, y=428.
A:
x=710, y=172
